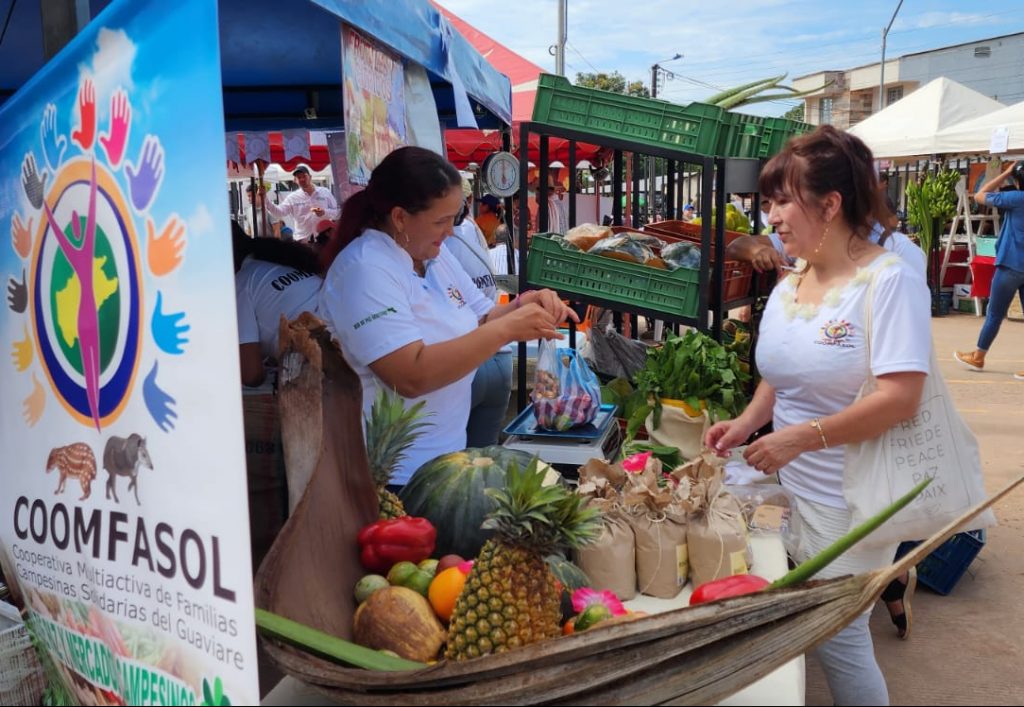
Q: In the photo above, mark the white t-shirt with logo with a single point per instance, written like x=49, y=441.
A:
x=815, y=358
x=468, y=246
x=375, y=303
x=263, y=292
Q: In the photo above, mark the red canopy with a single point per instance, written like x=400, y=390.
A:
x=318, y=155
x=465, y=146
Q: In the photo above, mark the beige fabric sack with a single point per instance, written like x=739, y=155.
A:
x=679, y=429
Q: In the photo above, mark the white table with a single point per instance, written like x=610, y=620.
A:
x=784, y=686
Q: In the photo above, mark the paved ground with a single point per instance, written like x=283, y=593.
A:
x=968, y=648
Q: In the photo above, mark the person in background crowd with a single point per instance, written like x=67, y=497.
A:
x=890, y=220
x=272, y=278
x=306, y=206
x=274, y=223
x=766, y=205
x=492, y=383
x=766, y=252
x=689, y=213
x=488, y=216
x=814, y=360
x=406, y=314
x=1008, y=279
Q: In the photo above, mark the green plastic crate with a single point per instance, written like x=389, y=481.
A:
x=754, y=137
x=693, y=128
x=575, y=272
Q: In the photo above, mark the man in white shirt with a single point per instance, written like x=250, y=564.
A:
x=306, y=206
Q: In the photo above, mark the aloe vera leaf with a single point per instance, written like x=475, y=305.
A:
x=729, y=92
x=807, y=569
x=332, y=648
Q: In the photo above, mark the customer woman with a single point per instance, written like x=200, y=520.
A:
x=813, y=358
x=406, y=314
x=272, y=278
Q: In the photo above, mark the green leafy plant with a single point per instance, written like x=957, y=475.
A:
x=931, y=202
x=214, y=696
x=693, y=368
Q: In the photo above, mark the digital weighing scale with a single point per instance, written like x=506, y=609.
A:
x=569, y=450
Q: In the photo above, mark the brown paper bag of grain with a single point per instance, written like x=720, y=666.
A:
x=610, y=561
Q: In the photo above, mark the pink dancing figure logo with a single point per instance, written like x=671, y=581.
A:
x=88, y=287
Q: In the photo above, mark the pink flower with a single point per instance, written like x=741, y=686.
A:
x=636, y=463
x=585, y=597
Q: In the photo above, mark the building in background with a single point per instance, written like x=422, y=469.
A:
x=990, y=66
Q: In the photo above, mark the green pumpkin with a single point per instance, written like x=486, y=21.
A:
x=449, y=492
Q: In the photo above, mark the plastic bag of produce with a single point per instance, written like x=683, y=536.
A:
x=586, y=235
x=683, y=254
x=622, y=247
x=566, y=393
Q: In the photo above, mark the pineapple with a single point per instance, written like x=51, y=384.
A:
x=511, y=598
x=390, y=431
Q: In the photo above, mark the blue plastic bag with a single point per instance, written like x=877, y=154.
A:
x=566, y=393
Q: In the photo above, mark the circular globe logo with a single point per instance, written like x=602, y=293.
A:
x=87, y=294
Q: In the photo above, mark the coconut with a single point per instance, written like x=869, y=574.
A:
x=400, y=620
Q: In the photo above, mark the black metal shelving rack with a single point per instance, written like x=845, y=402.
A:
x=719, y=175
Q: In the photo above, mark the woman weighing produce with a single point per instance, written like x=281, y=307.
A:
x=814, y=356
x=406, y=314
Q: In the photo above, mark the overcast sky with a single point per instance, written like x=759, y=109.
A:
x=729, y=42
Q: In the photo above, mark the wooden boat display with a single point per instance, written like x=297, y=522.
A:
x=696, y=655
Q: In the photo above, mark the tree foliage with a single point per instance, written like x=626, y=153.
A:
x=614, y=82
x=795, y=113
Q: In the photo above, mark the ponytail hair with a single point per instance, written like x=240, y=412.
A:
x=410, y=177
x=290, y=254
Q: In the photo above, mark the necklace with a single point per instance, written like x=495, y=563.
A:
x=833, y=296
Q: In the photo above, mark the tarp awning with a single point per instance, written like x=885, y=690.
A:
x=975, y=135
x=908, y=127
x=278, y=59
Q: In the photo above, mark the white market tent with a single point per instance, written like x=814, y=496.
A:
x=975, y=135
x=908, y=127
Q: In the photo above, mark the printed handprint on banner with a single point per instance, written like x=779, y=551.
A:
x=21, y=236
x=85, y=133
x=166, y=252
x=116, y=138
x=22, y=353
x=168, y=329
x=145, y=175
x=32, y=182
x=32, y=406
x=158, y=402
x=54, y=144
x=17, y=294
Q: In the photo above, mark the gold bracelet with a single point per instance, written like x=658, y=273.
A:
x=816, y=424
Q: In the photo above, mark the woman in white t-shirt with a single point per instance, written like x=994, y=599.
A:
x=406, y=314
x=813, y=359
x=272, y=278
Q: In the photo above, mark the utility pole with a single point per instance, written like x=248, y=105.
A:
x=652, y=171
x=881, y=80
x=558, y=49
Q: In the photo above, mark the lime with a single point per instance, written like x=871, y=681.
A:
x=401, y=572
x=368, y=585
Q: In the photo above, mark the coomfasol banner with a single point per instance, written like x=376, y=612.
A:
x=123, y=513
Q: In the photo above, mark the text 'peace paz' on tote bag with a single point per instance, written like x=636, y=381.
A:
x=935, y=442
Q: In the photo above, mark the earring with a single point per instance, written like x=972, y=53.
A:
x=824, y=235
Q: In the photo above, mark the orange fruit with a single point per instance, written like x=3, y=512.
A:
x=445, y=590
x=569, y=628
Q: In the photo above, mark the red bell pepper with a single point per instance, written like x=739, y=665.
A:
x=388, y=542
x=735, y=586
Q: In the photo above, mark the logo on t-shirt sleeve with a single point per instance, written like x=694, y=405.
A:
x=837, y=333
x=456, y=297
